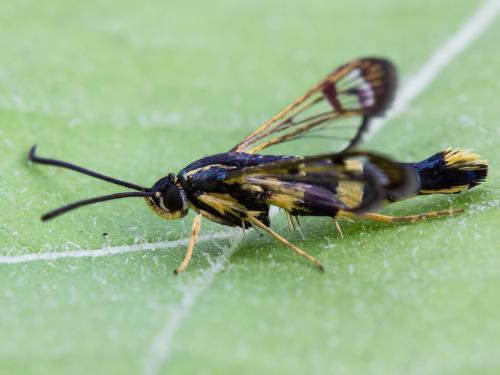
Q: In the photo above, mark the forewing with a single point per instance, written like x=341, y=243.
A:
x=352, y=181
x=351, y=95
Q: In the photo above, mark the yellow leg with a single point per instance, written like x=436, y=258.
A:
x=284, y=241
x=293, y=225
x=195, y=231
x=338, y=228
x=411, y=218
x=289, y=219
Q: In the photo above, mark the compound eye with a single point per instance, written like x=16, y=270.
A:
x=172, y=199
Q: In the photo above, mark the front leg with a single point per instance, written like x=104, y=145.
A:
x=195, y=231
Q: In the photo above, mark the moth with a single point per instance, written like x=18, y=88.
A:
x=237, y=187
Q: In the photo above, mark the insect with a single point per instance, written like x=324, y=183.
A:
x=237, y=188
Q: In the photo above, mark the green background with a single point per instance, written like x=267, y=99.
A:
x=139, y=90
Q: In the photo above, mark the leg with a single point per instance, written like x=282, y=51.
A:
x=289, y=219
x=338, y=228
x=411, y=218
x=281, y=239
x=293, y=225
x=195, y=230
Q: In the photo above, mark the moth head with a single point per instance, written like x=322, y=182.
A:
x=168, y=199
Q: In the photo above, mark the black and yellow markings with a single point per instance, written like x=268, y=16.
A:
x=236, y=188
x=174, y=215
x=206, y=168
x=222, y=203
x=351, y=192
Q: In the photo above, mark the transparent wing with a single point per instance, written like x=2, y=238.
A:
x=351, y=95
x=353, y=181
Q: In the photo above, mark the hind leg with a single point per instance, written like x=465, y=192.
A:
x=400, y=219
x=411, y=218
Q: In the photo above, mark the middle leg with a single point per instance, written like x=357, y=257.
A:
x=284, y=241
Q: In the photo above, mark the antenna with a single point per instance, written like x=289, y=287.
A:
x=141, y=191
x=85, y=202
x=62, y=164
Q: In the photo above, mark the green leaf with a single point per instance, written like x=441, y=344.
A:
x=140, y=90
